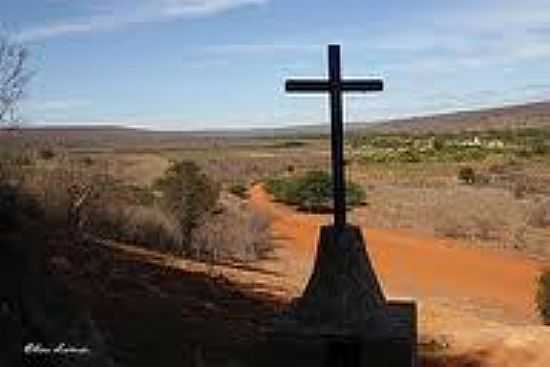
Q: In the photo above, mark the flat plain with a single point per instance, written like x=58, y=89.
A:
x=456, y=216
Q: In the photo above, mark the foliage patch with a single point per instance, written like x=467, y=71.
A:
x=311, y=191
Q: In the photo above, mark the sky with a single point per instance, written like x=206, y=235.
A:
x=221, y=64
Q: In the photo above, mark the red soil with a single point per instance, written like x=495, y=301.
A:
x=419, y=266
x=478, y=304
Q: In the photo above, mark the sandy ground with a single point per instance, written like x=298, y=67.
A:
x=473, y=301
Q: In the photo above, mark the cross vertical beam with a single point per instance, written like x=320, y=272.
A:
x=337, y=141
x=335, y=86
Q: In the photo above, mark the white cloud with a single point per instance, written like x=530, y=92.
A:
x=107, y=16
x=490, y=35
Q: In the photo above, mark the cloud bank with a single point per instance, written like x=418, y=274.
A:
x=106, y=16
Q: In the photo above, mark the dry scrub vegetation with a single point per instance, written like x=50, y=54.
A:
x=56, y=205
x=490, y=187
x=184, y=212
x=504, y=210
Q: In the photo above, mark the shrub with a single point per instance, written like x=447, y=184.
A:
x=311, y=191
x=467, y=175
x=152, y=227
x=314, y=191
x=289, y=144
x=236, y=233
x=543, y=296
x=438, y=144
x=355, y=195
x=239, y=190
x=46, y=154
x=68, y=192
x=188, y=194
x=283, y=189
x=410, y=156
x=540, y=148
x=139, y=225
x=88, y=161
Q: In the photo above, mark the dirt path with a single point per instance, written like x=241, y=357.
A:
x=480, y=300
x=419, y=266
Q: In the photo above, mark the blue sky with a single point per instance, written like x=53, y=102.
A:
x=210, y=64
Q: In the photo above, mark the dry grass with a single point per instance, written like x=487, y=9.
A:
x=491, y=213
x=111, y=210
x=139, y=225
x=507, y=208
x=235, y=233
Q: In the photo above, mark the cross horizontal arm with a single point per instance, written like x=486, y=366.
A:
x=347, y=85
x=359, y=85
x=307, y=85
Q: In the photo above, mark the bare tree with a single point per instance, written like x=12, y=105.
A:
x=14, y=76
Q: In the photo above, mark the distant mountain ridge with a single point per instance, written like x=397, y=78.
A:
x=532, y=115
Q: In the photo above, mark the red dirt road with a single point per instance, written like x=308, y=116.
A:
x=413, y=265
x=477, y=303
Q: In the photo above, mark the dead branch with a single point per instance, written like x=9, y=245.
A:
x=14, y=77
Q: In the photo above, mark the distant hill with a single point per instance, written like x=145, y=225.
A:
x=533, y=115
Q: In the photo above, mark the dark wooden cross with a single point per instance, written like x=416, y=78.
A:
x=335, y=85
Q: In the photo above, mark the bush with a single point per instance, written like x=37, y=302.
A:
x=314, y=191
x=235, y=233
x=543, y=296
x=283, y=189
x=467, y=175
x=539, y=147
x=239, y=190
x=188, y=194
x=438, y=144
x=46, y=154
x=149, y=227
x=88, y=161
x=311, y=191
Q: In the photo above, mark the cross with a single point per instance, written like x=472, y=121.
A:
x=335, y=86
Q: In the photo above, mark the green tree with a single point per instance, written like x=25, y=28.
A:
x=189, y=194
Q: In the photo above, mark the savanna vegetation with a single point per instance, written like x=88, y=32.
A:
x=192, y=199
x=488, y=187
x=451, y=148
